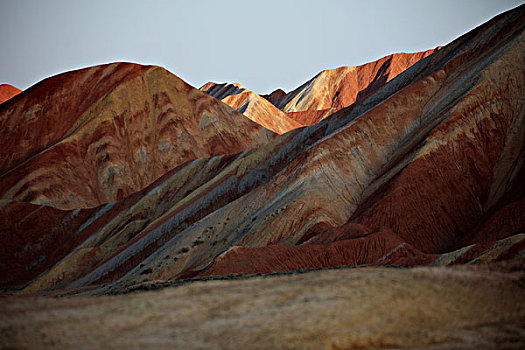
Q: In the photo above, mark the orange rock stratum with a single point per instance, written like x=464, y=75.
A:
x=8, y=91
x=252, y=106
x=119, y=175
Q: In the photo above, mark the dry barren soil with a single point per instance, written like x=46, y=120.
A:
x=462, y=307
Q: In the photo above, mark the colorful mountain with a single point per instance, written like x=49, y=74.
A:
x=97, y=135
x=251, y=105
x=425, y=169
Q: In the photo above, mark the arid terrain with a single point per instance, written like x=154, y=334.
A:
x=397, y=185
x=474, y=307
x=147, y=178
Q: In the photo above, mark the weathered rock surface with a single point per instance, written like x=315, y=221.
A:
x=8, y=91
x=251, y=105
x=377, y=249
x=96, y=135
x=428, y=169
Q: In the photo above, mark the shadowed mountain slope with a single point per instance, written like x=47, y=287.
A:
x=275, y=97
x=428, y=169
x=96, y=135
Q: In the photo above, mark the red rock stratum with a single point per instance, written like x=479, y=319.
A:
x=96, y=135
x=427, y=169
x=334, y=89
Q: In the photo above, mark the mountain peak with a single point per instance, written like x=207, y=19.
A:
x=121, y=126
x=252, y=106
x=7, y=92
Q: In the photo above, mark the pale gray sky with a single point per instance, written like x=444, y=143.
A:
x=260, y=44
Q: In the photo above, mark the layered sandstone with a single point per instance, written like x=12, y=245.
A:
x=252, y=106
x=334, y=89
x=96, y=135
x=320, y=97
x=425, y=170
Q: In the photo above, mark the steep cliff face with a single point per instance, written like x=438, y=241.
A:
x=99, y=134
x=8, y=91
x=427, y=169
x=252, y=106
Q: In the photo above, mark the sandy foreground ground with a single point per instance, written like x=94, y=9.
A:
x=463, y=307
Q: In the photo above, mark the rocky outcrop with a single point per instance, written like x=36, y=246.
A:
x=378, y=248
x=8, y=91
x=382, y=248
x=252, y=106
x=422, y=171
x=97, y=135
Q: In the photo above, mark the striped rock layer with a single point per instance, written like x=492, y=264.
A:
x=326, y=93
x=96, y=135
x=428, y=169
x=251, y=105
x=334, y=89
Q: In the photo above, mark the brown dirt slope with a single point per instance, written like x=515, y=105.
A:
x=365, y=308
